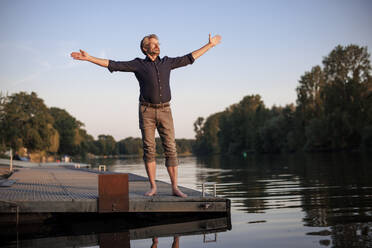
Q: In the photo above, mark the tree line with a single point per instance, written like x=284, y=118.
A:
x=26, y=122
x=333, y=111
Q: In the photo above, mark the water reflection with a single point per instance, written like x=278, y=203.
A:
x=331, y=194
x=116, y=231
x=333, y=190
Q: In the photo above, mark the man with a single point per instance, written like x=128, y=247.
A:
x=153, y=74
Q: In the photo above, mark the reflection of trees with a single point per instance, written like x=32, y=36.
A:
x=336, y=189
x=352, y=235
x=338, y=184
x=230, y=172
x=247, y=180
x=332, y=189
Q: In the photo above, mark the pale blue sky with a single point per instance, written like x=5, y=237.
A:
x=266, y=47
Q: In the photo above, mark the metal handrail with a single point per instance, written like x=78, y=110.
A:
x=214, y=184
x=205, y=240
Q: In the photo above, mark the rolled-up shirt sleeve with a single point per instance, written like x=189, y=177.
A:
x=181, y=61
x=128, y=66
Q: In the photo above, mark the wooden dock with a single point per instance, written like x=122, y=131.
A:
x=76, y=190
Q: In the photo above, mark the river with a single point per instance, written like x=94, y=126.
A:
x=296, y=200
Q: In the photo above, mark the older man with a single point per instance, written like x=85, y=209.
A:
x=153, y=74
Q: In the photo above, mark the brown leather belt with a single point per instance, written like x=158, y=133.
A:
x=153, y=105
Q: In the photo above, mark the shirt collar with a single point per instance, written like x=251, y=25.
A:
x=148, y=58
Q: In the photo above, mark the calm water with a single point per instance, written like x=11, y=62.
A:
x=311, y=200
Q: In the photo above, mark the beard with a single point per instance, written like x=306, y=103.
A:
x=153, y=52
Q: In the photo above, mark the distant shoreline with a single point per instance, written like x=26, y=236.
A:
x=139, y=156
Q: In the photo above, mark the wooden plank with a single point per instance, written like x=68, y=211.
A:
x=178, y=206
x=86, y=206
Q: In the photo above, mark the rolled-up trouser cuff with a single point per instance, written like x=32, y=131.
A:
x=173, y=161
x=148, y=159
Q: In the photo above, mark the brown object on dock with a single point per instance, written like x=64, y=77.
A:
x=113, y=193
x=68, y=190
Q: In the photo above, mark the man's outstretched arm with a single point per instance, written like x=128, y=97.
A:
x=213, y=41
x=82, y=55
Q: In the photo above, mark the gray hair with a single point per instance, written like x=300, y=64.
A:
x=145, y=42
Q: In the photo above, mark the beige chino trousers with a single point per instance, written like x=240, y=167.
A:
x=160, y=118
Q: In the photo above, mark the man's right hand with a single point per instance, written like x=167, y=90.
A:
x=82, y=55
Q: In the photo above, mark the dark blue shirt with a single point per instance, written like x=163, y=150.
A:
x=153, y=76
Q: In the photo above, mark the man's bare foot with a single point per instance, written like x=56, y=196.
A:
x=179, y=193
x=151, y=192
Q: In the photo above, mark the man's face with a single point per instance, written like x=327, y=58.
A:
x=154, y=47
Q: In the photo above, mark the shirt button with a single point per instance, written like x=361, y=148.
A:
x=160, y=94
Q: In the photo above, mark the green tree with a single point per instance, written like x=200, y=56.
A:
x=208, y=143
x=317, y=135
x=3, y=101
x=347, y=70
x=336, y=100
x=87, y=143
x=309, y=101
x=232, y=131
x=106, y=145
x=240, y=123
x=26, y=122
x=184, y=146
x=198, y=127
x=349, y=63
x=276, y=135
x=367, y=138
x=68, y=128
x=130, y=146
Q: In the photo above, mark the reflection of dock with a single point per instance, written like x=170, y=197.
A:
x=52, y=190
x=113, y=231
x=182, y=229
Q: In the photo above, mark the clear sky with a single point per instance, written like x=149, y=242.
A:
x=266, y=47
